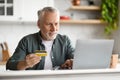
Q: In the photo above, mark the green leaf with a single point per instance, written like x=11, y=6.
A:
x=109, y=14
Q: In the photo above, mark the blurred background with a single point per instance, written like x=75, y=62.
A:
x=18, y=18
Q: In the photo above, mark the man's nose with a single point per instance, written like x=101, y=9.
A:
x=53, y=27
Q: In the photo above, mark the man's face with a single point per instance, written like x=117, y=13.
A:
x=49, y=25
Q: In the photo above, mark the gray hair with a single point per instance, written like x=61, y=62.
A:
x=46, y=9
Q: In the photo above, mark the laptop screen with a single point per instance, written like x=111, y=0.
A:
x=92, y=54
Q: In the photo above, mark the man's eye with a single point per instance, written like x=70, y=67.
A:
x=56, y=24
x=48, y=24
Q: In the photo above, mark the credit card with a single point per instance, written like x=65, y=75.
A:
x=41, y=53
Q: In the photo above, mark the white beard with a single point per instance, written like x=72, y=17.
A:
x=49, y=37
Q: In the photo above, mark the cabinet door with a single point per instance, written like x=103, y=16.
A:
x=30, y=8
x=9, y=10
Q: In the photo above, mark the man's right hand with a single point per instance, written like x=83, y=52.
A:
x=30, y=61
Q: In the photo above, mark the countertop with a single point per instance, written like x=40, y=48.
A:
x=91, y=74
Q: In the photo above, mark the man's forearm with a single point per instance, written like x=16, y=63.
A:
x=22, y=65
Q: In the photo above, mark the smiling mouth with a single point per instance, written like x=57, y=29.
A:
x=53, y=33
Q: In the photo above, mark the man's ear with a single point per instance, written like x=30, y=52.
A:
x=38, y=24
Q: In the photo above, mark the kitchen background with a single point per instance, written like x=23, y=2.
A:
x=12, y=29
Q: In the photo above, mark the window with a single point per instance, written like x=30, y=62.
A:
x=6, y=7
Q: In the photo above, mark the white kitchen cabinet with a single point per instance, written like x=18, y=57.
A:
x=10, y=10
x=30, y=8
x=23, y=10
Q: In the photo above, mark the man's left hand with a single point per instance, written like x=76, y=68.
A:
x=67, y=65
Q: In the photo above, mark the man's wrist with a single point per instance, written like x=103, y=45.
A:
x=22, y=65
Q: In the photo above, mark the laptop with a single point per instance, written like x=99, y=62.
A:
x=93, y=53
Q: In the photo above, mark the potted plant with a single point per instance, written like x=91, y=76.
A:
x=109, y=14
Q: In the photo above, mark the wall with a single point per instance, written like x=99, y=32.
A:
x=85, y=31
x=116, y=36
x=13, y=32
x=75, y=31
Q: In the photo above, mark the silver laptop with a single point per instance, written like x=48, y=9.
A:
x=93, y=54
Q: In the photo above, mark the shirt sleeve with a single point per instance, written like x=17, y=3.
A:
x=17, y=56
x=69, y=48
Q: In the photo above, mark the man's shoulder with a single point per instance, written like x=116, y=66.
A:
x=62, y=37
x=31, y=36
